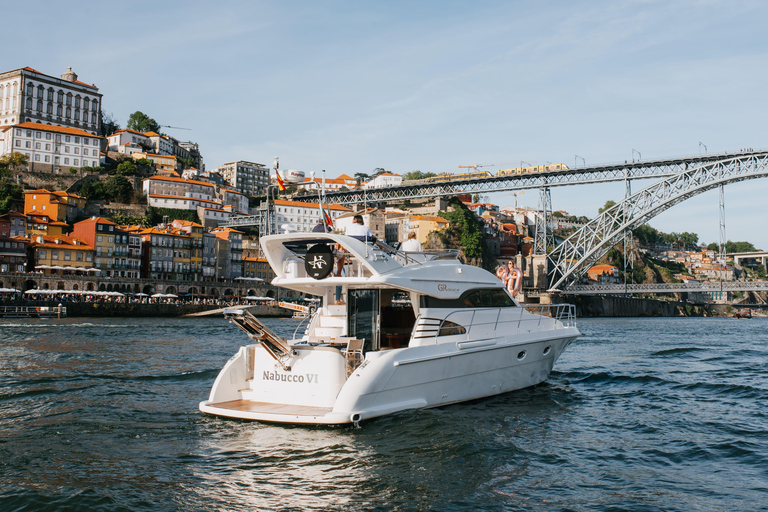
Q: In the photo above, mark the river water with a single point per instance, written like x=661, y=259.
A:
x=662, y=414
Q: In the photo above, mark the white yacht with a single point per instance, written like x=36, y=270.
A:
x=411, y=330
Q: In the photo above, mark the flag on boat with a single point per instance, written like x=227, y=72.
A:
x=280, y=182
x=325, y=216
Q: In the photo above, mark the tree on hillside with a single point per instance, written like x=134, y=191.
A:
x=109, y=124
x=14, y=161
x=9, y=193
x=607, y=206
x=126, y=168
x=417, y=175
x=141, y=122
x=731, y=247
x=360, y=177
x=119, y=189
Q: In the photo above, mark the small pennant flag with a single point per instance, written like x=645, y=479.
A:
x=327, y=218
x=280, y=182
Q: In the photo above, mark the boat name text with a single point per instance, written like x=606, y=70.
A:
x=444, y=288
x=310, y=378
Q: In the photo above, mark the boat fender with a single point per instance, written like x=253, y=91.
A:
x=319, y=261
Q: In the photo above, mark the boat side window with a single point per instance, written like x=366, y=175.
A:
x=482, y=298
x=449, y=328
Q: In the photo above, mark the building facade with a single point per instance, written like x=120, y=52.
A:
x=52, y=149
x=27, y=95
x=248, y=178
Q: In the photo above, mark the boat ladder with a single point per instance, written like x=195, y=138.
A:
x=275, y=346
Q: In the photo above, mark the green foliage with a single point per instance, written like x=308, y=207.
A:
x=109, y=124
x=155, y=215
x=118, y=188
x=607, y=206
x=126, y=168
x=417, y=175
x=731, y=247
x=187, y=161
x=92, y=191
x=9, y=193
x=72, y=170
x=141, y=122
x=128, y=220
x=14, y=161
x=464, y=223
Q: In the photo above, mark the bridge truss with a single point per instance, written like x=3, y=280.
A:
x=579, y=176
x=704, y=287
x=573, y=257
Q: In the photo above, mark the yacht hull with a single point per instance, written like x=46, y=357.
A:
x=315, y=390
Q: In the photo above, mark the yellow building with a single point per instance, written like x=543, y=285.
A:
x=164, y=164
x=44, y=225
x=63, y=251
x=423, y=225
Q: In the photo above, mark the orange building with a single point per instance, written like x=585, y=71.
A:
x=44, y=225
x=59, y=206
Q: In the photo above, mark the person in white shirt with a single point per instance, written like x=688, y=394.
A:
x=412, y=244
x=358, y=230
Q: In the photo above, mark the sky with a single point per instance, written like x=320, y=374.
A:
x=351, y=86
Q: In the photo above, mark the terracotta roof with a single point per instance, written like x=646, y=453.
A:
x=57, y=129
x=121, y=130
x=96, y=220
x=66, y=242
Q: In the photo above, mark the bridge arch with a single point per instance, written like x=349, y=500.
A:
x=570, y=260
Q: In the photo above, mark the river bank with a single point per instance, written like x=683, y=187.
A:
x=611, y=306
x=134, y=309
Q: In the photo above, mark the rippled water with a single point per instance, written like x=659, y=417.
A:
x=640, y=414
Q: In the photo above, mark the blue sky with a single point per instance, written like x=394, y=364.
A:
x=351, y=86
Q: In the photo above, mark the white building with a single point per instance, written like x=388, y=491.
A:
x=125, y=136
x=51, y=148
x=230, y=197
x=27, y=95
x=166, y=192
x=302, y=217
x=385, y=180
x=331, y=184
x=246, y=177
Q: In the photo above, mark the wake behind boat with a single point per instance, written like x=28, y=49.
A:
x=411, y=330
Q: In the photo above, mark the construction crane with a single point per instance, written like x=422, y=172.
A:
x=521, y=192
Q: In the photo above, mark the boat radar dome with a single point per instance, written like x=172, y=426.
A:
x=293, y=176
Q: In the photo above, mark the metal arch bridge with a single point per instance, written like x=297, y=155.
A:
x=579, y=176
x=571, y=259
x=543, y=180
x=706, y=287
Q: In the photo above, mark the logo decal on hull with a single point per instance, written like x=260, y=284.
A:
x=309, y=378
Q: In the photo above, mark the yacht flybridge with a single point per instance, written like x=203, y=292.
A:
x=410, y=330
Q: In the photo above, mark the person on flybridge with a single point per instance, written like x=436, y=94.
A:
x=359, y=231
x=412, y=244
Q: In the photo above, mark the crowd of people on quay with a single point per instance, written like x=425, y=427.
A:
x=69, y=296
